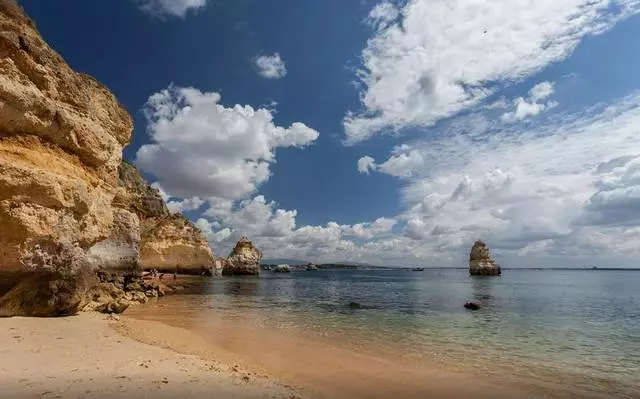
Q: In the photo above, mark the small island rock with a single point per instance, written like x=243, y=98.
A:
x=480, y=261
x=244, y=260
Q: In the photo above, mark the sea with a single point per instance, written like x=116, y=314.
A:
x=581, y=326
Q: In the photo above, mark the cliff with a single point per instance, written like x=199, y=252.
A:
x=168, y=243
x=61, y=140
x=244, y=259
x=480, y=261
x=70, y=209
x=175, y=244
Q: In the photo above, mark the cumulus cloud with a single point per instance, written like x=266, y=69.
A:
x=365, y=164
x=616, y=201
x=439, y=58
x=175, y=8
x=200, y=148
x=275, y=231
x=382, y=15
x=185, y=205
x=530, y=191
x=271, y=66
x=560, y=191
x=533, y=105
x=403, y=162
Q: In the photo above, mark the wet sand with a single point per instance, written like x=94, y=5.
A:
x=325, y=367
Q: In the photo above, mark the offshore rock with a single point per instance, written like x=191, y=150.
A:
x=480, y=261
x=244, y=260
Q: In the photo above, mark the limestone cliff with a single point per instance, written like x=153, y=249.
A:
x=69, y=208
x=168, y=243
x=174, y=244
x=480, y=261
x=243, y=260
x=61, y=140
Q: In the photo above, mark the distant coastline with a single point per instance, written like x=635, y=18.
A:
x=347, y=266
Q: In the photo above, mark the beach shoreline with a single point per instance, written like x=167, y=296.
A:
x=327, y=365
x=83, y=356
x=164, y=349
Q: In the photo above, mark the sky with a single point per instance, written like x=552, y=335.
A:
x=377, y=131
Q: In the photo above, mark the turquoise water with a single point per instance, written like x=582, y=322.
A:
x=582, y=323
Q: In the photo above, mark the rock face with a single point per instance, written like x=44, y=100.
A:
x=174, y=244
x=70, y=209
x=168, y=243
x=244, y=260
x=480, y=261
x=61, y=140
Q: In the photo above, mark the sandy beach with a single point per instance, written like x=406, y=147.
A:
x=144, y=355
x=84, y=357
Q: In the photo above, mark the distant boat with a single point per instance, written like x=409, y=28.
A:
x=417, y=269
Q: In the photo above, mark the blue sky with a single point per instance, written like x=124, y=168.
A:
x=389, y=132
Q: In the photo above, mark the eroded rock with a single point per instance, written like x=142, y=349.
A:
x=70, y=209
x=244, y=259
x=174, y=244
x=480, y=261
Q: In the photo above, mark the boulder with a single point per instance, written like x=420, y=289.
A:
x=244, y=260
x=42, y=294
x=471, y=306
x=480, y=261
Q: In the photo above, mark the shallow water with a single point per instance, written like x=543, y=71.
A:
x=583, y=325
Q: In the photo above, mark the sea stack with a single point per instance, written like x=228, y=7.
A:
x=480, y=261
x=244, y=260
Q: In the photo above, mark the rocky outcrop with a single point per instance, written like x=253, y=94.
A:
x=114, y=293
x=138, y=196
x=244, y=260
x=168, y=243
x=174, y=244
x=61, y=140
x=70, y=209
x=480, y=261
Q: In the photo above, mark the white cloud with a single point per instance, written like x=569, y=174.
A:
x=185, y=205
x=533, y=105
x=365, y=164
x=271, y=66
x=377, y=228
x=203, y=149
x=382, y=15
x=564, y=192
x=176, y=8
x=403, y=162
x=561, y=183
x=275, y=231
x=617, y=199
x=442, y=57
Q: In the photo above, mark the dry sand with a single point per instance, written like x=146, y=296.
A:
x=84, y=357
